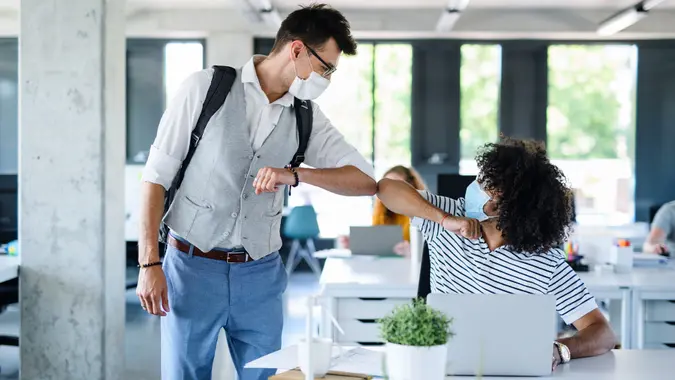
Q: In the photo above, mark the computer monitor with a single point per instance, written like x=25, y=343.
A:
x=8, y=207
x=454, y=185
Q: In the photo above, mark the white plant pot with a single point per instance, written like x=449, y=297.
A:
x=416, y=363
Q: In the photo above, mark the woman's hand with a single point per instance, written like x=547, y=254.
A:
x=402, y=249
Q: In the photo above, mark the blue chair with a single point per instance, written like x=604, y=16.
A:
x=301, y=226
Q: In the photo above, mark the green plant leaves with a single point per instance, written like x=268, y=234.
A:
x=416, y=324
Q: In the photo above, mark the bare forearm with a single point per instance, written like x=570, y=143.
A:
x=594, y=340
x=347, y=180
x=152, y=209
x=402, y=198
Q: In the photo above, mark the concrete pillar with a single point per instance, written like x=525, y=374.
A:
x=229, y=48
x=71, y=200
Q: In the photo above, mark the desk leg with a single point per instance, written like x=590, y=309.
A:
x=638, y=307
x=626, y=319
x=328, y=308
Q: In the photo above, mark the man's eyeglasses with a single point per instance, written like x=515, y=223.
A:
x=327, y=67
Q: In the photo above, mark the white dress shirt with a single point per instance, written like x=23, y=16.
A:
x=327, y=147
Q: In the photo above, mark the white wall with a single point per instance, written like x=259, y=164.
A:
x=229, y=48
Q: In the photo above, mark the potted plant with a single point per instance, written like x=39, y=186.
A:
x=416, y=337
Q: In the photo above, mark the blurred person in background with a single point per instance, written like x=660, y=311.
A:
x=382, y=216
x=661, y=238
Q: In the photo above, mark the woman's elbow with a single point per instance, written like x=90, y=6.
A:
x=612, y=341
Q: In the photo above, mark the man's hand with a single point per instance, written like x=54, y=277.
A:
x=656, y=248
x=556, y=358
x=268, y=179
x=466, y=227
x=152, y=291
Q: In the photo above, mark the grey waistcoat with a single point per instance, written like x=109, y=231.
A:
x=217, y=188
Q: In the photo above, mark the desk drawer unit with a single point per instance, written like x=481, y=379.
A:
x=659, y=346
x=360, y=332
x=660, y=311
x=659, y=332
x=367, y=308
x=358, y=318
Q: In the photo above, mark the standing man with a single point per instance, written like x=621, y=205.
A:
x=222, y=267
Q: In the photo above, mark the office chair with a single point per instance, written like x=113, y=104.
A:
x=9, y=295
x=424, y=285
x=302, y=226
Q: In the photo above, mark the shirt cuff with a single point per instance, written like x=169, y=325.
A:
x=160, y=168
x=580, y=311
x=356, y=159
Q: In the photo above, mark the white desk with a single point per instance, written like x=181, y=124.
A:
x=9, y=267
x=615, y=365
x=358, y=291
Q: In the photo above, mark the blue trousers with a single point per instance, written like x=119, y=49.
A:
x=206, y=295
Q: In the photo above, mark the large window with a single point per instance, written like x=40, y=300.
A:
x=180, y=60
x=480, y=77
x=369, y=102
x=591, y=129
x=155, y=70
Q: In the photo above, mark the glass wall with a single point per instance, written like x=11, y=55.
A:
x=591, y=127
x=480, y=77
x=369, y=102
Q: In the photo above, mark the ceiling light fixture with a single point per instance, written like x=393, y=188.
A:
x=268, y=14
x=627, y=17
x=450, y=15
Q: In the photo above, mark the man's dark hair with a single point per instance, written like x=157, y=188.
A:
x=314, y=25
x=534, y=200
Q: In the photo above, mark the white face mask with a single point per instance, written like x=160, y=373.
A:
x=310, y=88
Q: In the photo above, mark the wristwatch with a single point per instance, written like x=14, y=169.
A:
x=564, y=352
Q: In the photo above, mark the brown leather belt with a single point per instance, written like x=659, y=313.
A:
x=230, y=257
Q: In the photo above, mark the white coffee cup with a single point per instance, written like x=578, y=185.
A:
x=321, y=354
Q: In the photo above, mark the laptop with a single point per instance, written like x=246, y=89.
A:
x=499, y=334
x=374, y=240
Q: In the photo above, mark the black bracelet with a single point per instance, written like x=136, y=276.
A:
x=148, y=265
x=295, y=174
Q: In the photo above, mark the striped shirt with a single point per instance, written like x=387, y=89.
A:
x=461, y=265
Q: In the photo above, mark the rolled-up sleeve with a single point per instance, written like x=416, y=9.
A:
x=173, y=133
x=328, y=148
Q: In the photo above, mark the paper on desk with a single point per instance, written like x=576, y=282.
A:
x=358, y=360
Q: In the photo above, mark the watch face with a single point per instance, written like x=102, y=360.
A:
x=564, y=353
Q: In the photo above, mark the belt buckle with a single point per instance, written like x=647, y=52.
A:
x=242, y=252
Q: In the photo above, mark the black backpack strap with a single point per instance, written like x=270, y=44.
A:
x=304, y=119
x=223, y=78
x=221, y=83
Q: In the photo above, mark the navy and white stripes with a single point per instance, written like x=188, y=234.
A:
x=460, y=265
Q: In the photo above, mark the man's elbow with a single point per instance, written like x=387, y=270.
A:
x=371, y=186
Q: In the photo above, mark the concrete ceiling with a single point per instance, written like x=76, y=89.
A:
x=379, y=4
x=483, y=19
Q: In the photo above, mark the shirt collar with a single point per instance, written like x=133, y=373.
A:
x=249, y=75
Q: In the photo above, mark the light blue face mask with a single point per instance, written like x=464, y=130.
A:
x=474, y=202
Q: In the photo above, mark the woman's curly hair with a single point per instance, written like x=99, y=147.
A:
x=533, y=199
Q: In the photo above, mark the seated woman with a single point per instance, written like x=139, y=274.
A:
x=382, y=216
x=502, y=238
x=661, y=238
